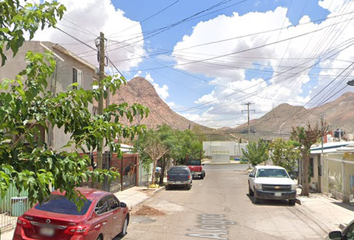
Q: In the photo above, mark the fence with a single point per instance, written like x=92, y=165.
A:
x=14, y=204
x=339, y=178
x=127, y=166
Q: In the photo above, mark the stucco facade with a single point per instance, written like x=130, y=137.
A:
x=69, y=68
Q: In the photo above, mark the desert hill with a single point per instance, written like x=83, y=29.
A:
x=339, y=114
x=139, y=90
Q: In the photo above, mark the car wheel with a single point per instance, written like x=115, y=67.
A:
x=292, y=202
x=124, y=229
x=189, y=186
x=99, y=237
x=250, y=192
x=255, y=199
x=201, y=176
x=167, y=187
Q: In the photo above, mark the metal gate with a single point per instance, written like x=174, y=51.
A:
x=128, y=169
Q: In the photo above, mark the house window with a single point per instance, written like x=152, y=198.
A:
x=77, y=77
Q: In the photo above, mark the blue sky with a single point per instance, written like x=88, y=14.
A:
x=207, y=58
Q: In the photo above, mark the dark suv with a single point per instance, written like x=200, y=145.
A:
x=179, y=176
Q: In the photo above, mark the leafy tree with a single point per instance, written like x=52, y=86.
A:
x=16, y=20
x=284, y=153
x=153, y=146
x=26, y=107
x=174, y=144
x=305, y=137
x=168, y=138
x=256, y=152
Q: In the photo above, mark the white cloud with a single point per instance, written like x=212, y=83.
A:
x=171, y=104
x=138, y=74
x=85, y=20
x=290, y=54
x=162, y=91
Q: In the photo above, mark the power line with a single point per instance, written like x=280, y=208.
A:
x=148, y=18
x=146, y=102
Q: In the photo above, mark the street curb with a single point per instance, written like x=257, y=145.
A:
x=158, y=190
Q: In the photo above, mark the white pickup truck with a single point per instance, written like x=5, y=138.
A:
x=271, y=182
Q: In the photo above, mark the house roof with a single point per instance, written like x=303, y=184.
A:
x=333, y=147
x=67, y=52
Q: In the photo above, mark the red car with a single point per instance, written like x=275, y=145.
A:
x=102, y=217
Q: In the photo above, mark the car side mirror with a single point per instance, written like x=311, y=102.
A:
x=292, y=176
x=251, y=175
x=123, y=205
x=202, y=164
x=335, y=235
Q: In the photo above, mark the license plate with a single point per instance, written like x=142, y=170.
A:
x=46, y=231
x=178, y=182
x=277, y=194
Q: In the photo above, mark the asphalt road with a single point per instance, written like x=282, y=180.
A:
x=218, y=207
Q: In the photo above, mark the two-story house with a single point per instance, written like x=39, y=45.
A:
x=69, y=69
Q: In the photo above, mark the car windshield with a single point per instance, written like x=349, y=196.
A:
x=272, y=173
x=193, y=162
x=179, y=170
x=60, y=204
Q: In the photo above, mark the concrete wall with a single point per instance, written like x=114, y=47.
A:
x=220, y=158
x=231, y=148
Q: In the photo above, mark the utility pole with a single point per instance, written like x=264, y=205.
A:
x=101, y=58
x=248, y=117
x=320, y=169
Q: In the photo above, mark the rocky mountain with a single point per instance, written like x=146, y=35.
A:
x=338, y=114
x=139, y=90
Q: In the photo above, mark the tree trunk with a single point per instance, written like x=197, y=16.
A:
x=153, y=171
x=162, y=175
x=305, y=191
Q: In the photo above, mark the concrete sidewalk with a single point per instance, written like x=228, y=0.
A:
x=132, y=197
x=328, y=213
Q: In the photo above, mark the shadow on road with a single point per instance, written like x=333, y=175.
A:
x=267, y=202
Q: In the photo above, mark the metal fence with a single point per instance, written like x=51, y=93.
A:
x=14, y=204
x=127, y=166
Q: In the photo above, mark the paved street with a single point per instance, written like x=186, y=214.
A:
x=218, y=207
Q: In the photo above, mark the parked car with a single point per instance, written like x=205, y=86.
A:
x=347, y=233
x=196, y=167
x=271, y=182
x=103, y=216
x=179, y=176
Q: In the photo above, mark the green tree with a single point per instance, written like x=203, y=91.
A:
x=168, y=138
x=16, y=20
x=26, y=107
x=305, y=137
x=166, y=143
x=284, y=153
x=256, y=152
x=151, y=145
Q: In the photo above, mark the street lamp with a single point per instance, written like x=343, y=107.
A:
x=350, y=83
